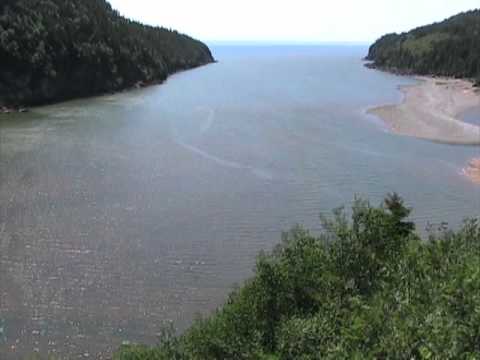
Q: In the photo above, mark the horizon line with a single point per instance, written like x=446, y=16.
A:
x=285, y=42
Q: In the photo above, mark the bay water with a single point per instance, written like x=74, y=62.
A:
x=122, y=213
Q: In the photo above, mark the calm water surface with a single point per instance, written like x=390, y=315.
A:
x=121, y=213
x=472, y=116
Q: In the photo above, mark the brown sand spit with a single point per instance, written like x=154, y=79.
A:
x=472, y=171
x=430, y=110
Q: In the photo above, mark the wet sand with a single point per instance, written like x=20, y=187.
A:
x=472, y=171
x=430, y=110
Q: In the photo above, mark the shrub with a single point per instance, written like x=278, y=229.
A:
x=366, y=287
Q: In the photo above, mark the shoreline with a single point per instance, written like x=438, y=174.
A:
x=472, y=170
x=23, y=108
x=431, y=110
x=10, y=110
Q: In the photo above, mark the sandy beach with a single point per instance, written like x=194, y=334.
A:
x=431, y=110
x=472, y=171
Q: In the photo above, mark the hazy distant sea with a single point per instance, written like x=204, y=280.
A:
x=122, y=212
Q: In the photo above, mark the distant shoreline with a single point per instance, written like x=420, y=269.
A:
x=431, y=110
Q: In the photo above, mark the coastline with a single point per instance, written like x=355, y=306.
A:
x=472, y=170
x=23, y=108
x=431, y=110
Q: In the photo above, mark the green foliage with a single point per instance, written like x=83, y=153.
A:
x=448, y=48
x=57, y=49
x=367, y=287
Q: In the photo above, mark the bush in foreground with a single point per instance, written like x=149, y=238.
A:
x=366, y=287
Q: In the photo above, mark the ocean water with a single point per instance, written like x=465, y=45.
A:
x=472, y=116
x=125, y=212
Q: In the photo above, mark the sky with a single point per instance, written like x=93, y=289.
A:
x=291, y=20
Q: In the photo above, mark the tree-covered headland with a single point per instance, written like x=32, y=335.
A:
x=366, y=287
x=448, y=48
x=52, y=50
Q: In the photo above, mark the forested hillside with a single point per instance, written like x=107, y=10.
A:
x=365, y=288
x=52, y=50
x=448, y=48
